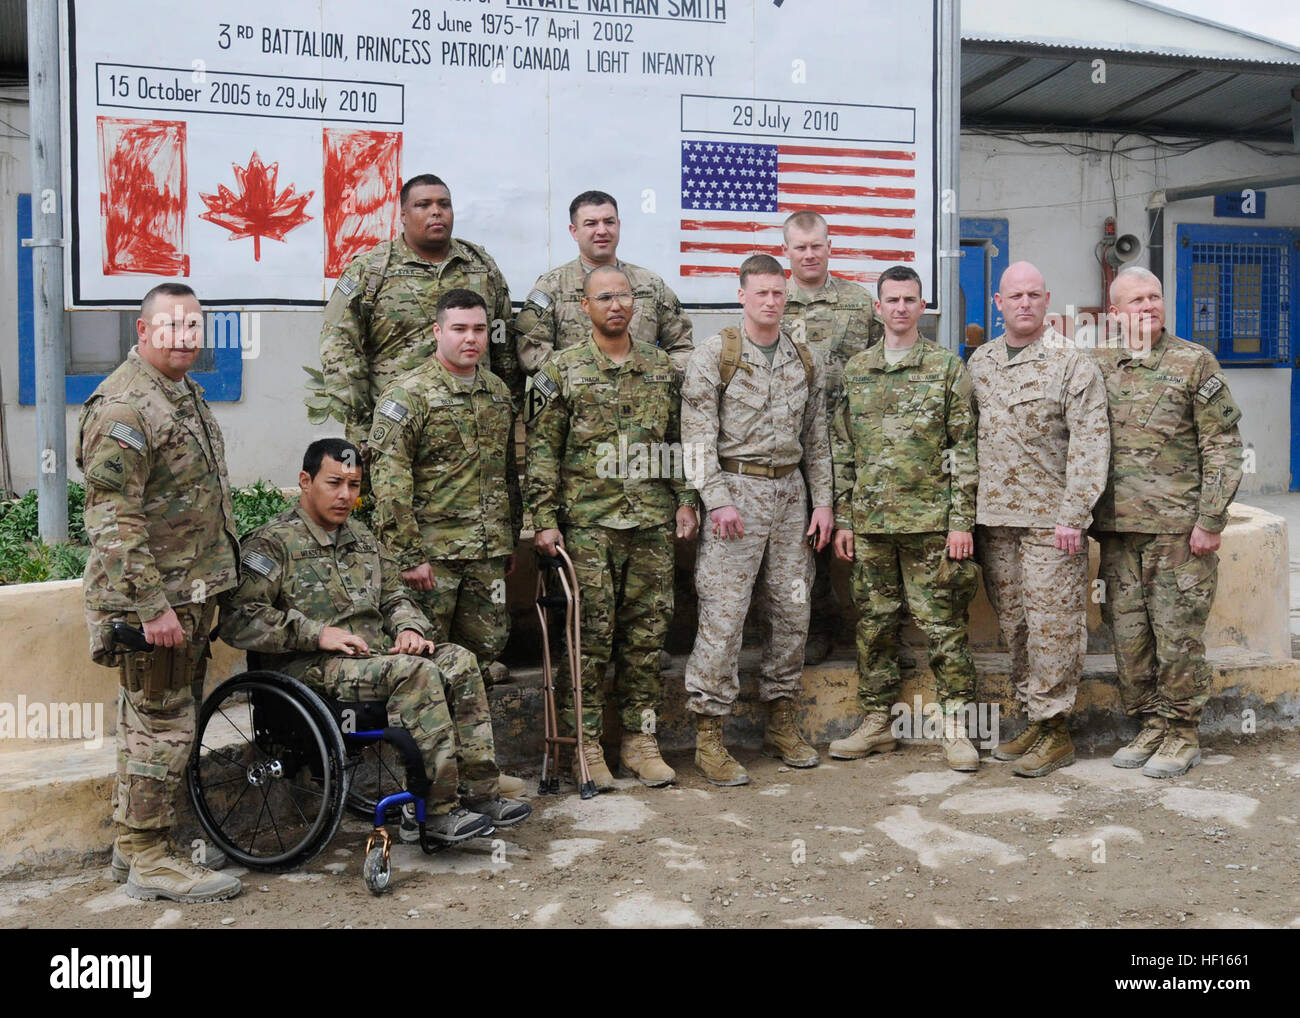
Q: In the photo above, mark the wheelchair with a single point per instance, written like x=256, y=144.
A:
x=274, y=765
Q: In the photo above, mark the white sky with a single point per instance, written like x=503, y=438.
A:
x=1273, y=19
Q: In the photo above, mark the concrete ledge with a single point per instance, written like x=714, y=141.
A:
x=54, y=799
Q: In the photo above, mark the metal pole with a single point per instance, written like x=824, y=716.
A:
x=47, y=268
x=949, y=142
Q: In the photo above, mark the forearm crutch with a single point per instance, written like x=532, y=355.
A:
x=557, y=587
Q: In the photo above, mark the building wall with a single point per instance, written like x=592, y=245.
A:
x=1055, y=194
x=1055, y=190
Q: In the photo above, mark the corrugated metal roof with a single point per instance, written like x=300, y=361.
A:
x=1024, y=85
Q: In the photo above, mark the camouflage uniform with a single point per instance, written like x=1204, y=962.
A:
x=839, y=320
x=768, y=418
x=604, y=466
x=379, y=323
x=1175, y=463
x=298, y=579
x=552, y=317
x=162, y=534
x=903, y=439
x=445, y=484
x=1044, y=447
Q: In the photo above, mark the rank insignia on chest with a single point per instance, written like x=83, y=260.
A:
x=258, y=563
x=127, y=435
x=393, y=410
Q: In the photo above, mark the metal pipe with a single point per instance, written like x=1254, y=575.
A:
x=948, y=139
x=47, y=270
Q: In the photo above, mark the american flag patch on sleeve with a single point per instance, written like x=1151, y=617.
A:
x=346, y=286
x=259, y=563
x=393, y=410
x=538, y=297
x=126, y=433
x=543, y=384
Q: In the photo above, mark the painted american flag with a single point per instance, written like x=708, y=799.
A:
x=736, y=195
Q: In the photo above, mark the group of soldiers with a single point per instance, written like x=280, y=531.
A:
x=821, y=424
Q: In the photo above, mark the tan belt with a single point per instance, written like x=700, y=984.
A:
x=756, y=469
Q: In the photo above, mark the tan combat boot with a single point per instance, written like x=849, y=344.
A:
x=1144, y=745
x=957, y=747
x=1179, y=752
x=130, y=841
x=1053, y=749
x=783, y=738
x=509, y=787
x=711, y=756
x=156, y=873
x=872, y=736
x=1015, y=748
x=600, y=775
x=639, y=754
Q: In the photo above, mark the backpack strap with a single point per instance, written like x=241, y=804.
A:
x=376, y=273
x=805, y=355
x=729, y=358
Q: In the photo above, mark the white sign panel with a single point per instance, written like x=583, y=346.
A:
x=252, y=148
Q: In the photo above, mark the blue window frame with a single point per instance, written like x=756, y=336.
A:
x=222, y=384
x=1235, y=292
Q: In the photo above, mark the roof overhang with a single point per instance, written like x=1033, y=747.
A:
x=1019, y=85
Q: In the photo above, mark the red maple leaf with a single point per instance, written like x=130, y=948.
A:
x=257, y=211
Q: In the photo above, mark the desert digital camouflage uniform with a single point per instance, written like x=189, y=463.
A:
x=370, y=338
x=298, y=579
x=838, y=320
x=903, y=440
x=770, y=419
x=604, y=466
x=444, y=478
x=162, y=534
x=1175, y=463
x=552, y=318
x=1044, y=449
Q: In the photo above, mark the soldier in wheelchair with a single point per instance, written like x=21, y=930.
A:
x=323, y=602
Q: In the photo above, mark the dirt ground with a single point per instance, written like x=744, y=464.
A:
x=889, y=842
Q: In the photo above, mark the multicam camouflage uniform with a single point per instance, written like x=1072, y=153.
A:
x=1175, y=463
x=838, y=320
x=298, y=579
x=162, y=534
x=604, y=466
x=552, y=318
x=903, y=438
x=769, y=419
x=379, y=323
x=444, y=478
x=1044, y=448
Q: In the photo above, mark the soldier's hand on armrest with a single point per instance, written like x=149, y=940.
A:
x=844, y=545
x=340, y=641
x=165, y=630
x=688, y=524
x=960, y=544
x=410, y=642
x=548, y=540
x=419, y=578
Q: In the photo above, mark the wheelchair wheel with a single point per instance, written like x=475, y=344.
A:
x=267, y=772
x=376, y=870
x=377, y=770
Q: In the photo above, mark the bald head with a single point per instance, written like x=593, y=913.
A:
x=1022, y=298
x=604, y=279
